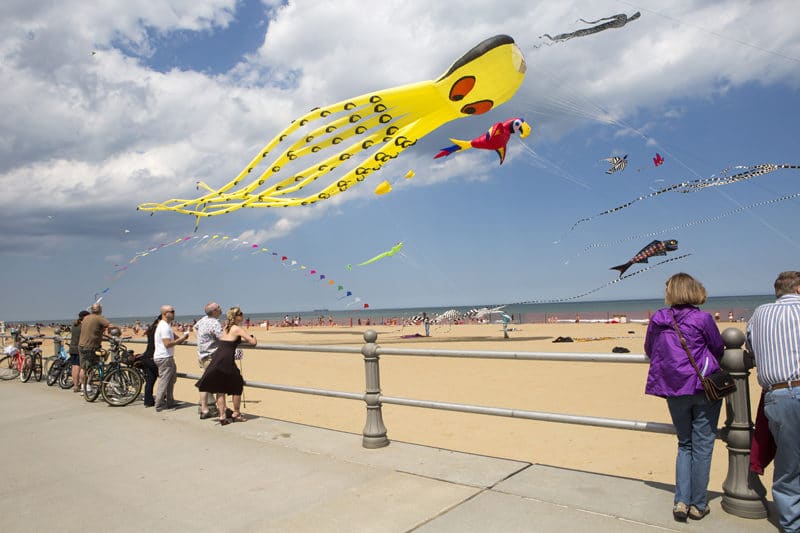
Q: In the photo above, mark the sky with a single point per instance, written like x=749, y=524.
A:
x=107, y=105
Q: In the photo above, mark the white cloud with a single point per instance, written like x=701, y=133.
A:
x=81, y=129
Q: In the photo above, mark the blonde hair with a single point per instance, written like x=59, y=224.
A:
x=230, y=318
x=683, y=289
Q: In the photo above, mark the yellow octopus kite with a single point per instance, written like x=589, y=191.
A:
x=483, y=78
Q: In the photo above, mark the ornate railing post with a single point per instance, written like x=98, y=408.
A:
x=374, y=430
x=743, y=492
x=57, y=345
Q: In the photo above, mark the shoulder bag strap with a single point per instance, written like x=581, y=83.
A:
x=688, y=352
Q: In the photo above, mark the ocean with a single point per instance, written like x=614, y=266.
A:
x=739, y=307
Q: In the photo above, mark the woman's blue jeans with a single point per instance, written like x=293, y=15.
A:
x=695, y=421
x=782, y=408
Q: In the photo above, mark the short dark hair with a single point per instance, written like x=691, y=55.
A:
x=787, y=283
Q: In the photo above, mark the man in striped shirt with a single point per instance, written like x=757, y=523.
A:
x=773, y=335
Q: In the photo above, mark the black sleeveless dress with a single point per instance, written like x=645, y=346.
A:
x=222, y=375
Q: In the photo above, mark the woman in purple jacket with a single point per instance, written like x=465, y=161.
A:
x=672, y=376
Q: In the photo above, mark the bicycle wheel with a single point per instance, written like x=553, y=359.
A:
x=91, y=389
x=37, y=366
x=65, y=377
x=53, y=373
x=121, y=387
x=27, y=368
x=7, y=368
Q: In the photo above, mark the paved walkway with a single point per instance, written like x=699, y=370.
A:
x=72, y=466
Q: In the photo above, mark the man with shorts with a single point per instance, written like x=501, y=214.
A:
x=208, y=330
x=92, y=328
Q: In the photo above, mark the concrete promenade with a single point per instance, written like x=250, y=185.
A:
x=68, y=465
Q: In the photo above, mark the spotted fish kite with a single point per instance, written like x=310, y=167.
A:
x=614, y=21
x=654, y=248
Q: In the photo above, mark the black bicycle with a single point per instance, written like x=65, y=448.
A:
x=119, y=381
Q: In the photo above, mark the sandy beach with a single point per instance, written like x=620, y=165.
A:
x=593, y=389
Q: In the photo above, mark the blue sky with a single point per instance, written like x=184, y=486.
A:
x=107, y=107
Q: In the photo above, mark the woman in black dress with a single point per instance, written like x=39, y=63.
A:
x=222, y=376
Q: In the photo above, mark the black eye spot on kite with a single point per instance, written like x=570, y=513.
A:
x=342, y=184
x=381, y=157
x=360, y=171
x=315, y=149
x=309, y=138
x=278, y=187
x=391, y=130
x=477, y=108
x=375, y=98
x=380, y=108
x=354, y=118
x=387, y=139
x=366, y=144
x=336, y=140
x=303, y=122
x=348, y=106
x=385, y=118
x=281, y=138
x=298, y=178
x=323, y=196
x=291, y=156
x=360, y=130
x=324, y=113
x=330, y=129
x=276, y=168
x=264, y=154
x=249, y=170
x=321, y=168
x=461, y=88
x=344, y=157
x=360, y=178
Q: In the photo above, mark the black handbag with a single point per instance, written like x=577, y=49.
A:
x=716, y=385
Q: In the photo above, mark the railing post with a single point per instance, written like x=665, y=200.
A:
x=56, y=345
x=743, y=493
x=374, y=430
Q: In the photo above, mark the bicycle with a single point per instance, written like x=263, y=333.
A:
x=118, y=381
x=60, y=369
x=24, y=356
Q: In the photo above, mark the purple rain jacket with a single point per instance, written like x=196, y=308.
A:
x=671, y=373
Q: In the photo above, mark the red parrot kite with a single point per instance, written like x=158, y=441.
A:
x=658, y=160
x=495, y=139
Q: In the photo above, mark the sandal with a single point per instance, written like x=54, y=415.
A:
x=237, y=417
x=224, y=421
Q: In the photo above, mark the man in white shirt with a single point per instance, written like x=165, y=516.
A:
x=208, y=330
x=163, y=356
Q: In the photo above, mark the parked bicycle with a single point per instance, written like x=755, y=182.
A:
x=119, y=381
x=24, y=356
x=60, y=369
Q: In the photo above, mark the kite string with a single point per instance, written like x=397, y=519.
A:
x=596, y=289
x=689, y=224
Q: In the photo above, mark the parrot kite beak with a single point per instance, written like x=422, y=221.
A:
x=524, y=130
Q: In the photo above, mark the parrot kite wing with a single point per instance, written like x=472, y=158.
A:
x=375, y=127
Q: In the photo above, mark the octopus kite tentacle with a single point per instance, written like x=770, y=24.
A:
x=596, y=289
x=377, y=126
x=690, y=186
